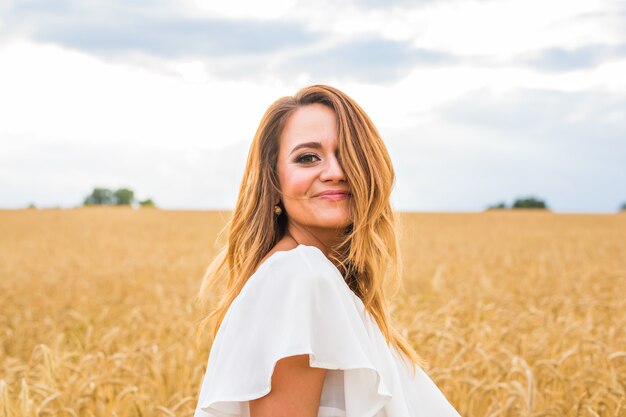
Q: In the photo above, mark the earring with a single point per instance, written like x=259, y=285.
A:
x=277, y=210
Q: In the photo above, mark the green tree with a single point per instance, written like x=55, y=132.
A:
x=529, y=202
x=99, y=196
x=500, y=205
x=106, y=197
x=623, y=206
x=124, y=197
x=147, y=203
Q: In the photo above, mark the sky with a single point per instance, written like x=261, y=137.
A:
x=478, y=101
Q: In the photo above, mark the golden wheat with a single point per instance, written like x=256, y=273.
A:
x=518, y=313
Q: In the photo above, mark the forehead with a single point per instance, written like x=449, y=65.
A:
x=310, y=123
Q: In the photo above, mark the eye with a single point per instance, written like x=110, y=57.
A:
x=305, y=158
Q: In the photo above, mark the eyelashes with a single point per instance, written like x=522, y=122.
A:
x=303, y=158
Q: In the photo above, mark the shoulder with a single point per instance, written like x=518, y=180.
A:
x=289, y=282
x=302, y=265
x=282, y=246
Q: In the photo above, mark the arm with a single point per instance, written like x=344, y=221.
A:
x=295, y=391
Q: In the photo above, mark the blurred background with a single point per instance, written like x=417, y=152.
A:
x=481, y=103
x=484, y=106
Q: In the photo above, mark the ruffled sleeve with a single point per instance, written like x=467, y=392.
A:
x=294, y=304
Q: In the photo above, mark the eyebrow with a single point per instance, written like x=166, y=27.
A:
x=315, y=145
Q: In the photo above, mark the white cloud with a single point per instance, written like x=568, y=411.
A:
x=241, y=9
x=58, y=94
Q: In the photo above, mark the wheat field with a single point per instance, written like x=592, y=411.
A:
x=518, y=313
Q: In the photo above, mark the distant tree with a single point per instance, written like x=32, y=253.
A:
x=500, y=205
x=100, y=196
x=32, y=206
x=623, y=206
x=529, y=202
x=147, y=203
x=124, y=197
x=107, y=197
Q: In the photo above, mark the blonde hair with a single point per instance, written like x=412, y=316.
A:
x=368, y=255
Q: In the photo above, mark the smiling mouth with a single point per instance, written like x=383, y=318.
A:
x=335, y=196
x=331, y=191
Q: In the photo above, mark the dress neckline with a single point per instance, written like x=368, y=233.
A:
x=267, y=261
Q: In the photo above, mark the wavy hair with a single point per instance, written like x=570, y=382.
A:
x=367, y=256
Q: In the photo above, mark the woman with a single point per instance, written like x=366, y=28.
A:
x=302, y=328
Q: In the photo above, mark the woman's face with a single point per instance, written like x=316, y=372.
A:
x=308, y=166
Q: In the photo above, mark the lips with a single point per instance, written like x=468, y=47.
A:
x=333, y=193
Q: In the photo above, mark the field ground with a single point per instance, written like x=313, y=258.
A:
x=518, y=313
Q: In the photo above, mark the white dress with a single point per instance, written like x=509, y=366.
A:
x=296, y=303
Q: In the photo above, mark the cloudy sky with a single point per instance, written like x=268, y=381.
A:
x=478, y=101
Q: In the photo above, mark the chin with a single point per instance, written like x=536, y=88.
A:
x=336, y=223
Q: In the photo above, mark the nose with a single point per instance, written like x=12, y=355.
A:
x=332, y=171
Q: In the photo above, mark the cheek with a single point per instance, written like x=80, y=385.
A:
x=295, y=183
